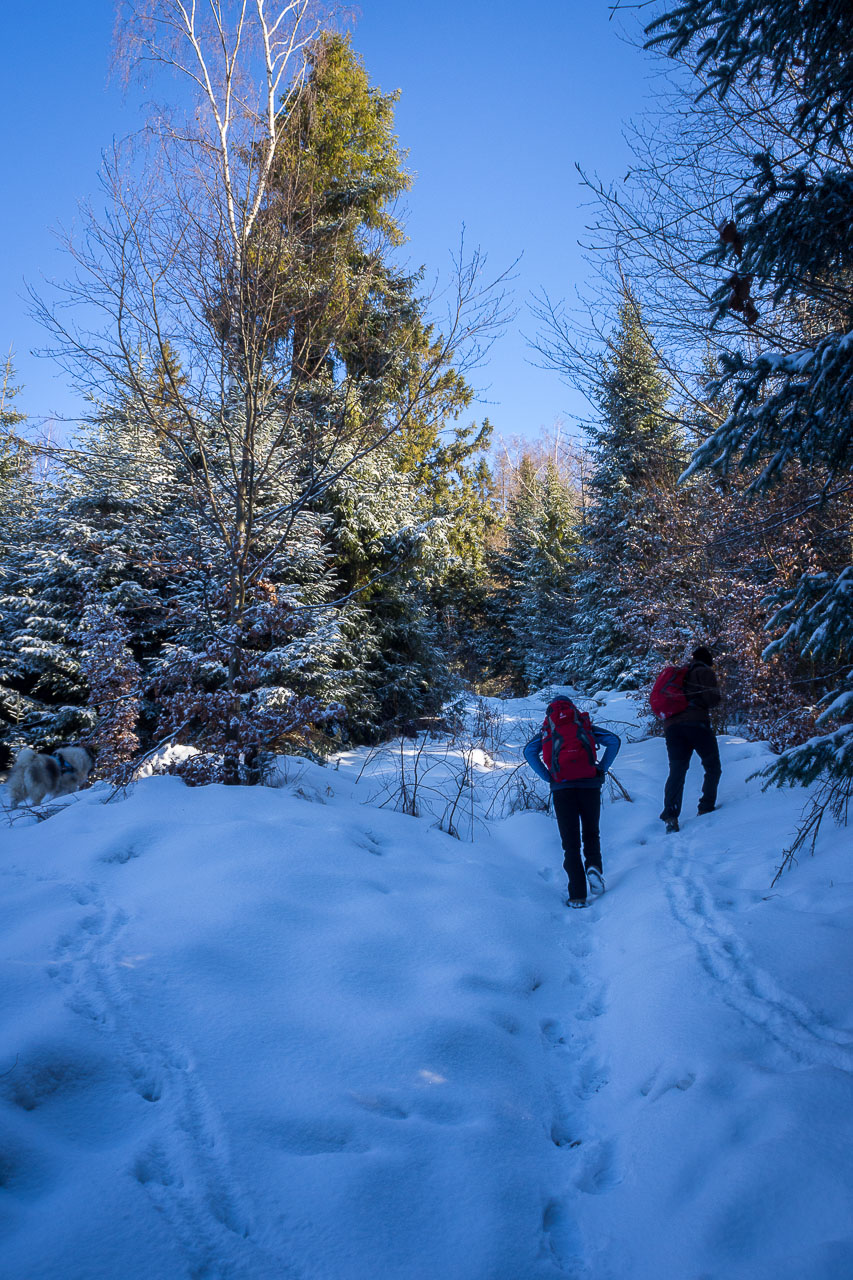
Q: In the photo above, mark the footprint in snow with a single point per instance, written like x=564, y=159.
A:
x=300, y=1137
x=592, y=1009
x=743, y=983
x=382, y=1105
x=84, y=894
x=563, y=1134
x=506, y=1021
x=552, y=1032
x=94, y=924
x=591, y=1079
x=599, y=1172
x=561, y=1236
x=152, y=1166
x=125, y=853
x=658, y=1084
x=147, y=1081
x=524, y=983
x=369, y=842
x=24, y=1171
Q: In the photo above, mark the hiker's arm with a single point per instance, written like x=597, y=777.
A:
x=533, y=755
x=611, y=744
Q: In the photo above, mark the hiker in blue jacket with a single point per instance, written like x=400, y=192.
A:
x=577, y=804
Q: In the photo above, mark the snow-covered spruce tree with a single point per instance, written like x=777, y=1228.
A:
x=636, y=454
x=289, y=639
x=453, y=482
x=382, y=547
x=792, y=235
x=16, y=488
x=112, y=678
x=111, y=530
x=531, y=608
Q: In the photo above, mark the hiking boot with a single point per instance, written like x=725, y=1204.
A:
x=705, y=808
x=671, y=825
x=595, y=880
x=576, y=902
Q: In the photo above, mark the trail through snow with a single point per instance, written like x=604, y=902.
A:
x=290, y=1033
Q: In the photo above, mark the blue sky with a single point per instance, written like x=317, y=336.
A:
x=499, y=101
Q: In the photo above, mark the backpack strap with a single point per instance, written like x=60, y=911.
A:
x=691, y=666
x=586, y=740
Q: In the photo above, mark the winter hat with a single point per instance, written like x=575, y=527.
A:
x=701, y=654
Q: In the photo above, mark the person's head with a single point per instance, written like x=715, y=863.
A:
x=701, y=654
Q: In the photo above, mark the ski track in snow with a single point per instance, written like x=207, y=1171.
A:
x=745, y=986
x=184, y=1168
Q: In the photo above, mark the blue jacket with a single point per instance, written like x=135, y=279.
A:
x=606, y=739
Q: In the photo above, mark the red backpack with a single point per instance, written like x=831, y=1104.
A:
x=667, y=697
x=568, y=743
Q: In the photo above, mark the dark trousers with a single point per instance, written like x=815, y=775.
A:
x=681, y=741
x=578, y=810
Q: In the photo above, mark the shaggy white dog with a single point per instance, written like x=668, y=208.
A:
x=35, y=776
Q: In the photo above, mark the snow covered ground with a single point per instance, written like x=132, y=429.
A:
x=274, y=1033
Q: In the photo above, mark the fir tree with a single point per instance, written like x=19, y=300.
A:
x=15, y=501
x=112, y=677
x=73, y=544
x=542, y=619
x=340, y=170
x=531, y=611
x=635, y=451
x=15, y=455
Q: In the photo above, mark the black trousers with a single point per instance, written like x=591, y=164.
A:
x=681, y=741
x=578, y=811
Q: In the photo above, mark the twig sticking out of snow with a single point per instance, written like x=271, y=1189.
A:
x=620, y=788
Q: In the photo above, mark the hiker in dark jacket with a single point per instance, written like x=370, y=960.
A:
x=690, y=731
x=577, y=805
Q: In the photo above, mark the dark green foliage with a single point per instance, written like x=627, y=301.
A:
x=526, y=623
x=731, y=41
x=15, y=454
